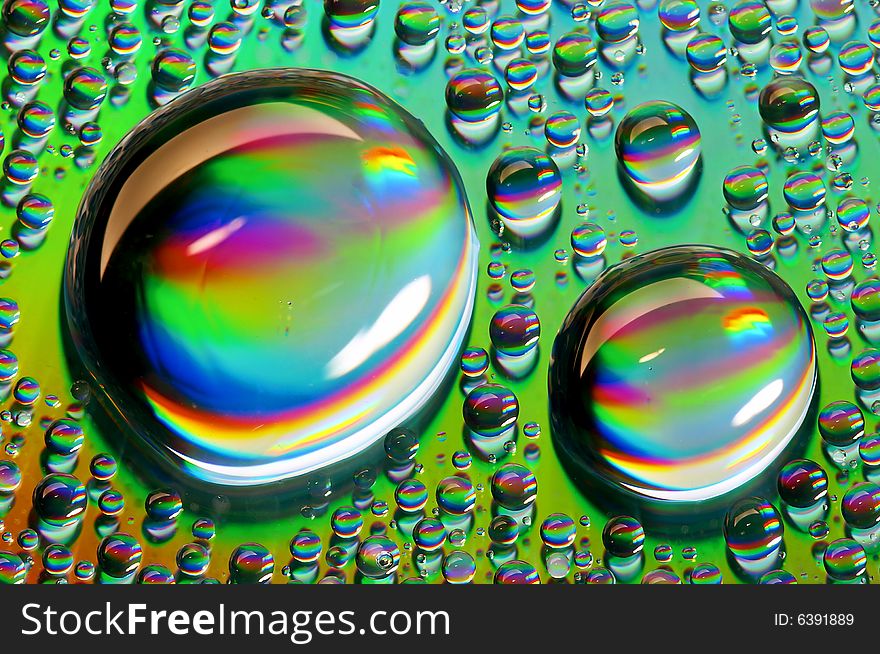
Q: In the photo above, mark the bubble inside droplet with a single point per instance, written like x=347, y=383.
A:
x=666, y=344
x=271, y=273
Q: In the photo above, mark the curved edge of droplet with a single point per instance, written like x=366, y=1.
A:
x=82, y=353
x=659, y=513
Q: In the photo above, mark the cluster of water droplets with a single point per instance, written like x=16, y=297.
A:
x=619, y=399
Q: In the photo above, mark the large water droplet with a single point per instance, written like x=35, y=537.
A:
x=270, y=273
x=681, y=374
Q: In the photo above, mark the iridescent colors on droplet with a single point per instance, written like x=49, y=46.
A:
x=804, y=191
x=474, y=95
x=845, y=560
x=26, y=17
x=706, y=53
x=753, y=529
x=678, y=15
x=272, y=328
x=749, y=21
x=60, y=500
x=865, y=299
x=588, y=240
x=860, y=506
x=853, y=214
x=514, y=330
x=841, y=423
x=789, y=104
x=377, y=557
x=251, y=563
x=865, y=369
x=490, y=409
x=574, y=54
x=666, y=343
x=623, y=536
x=351, y=14
x=514, y=486
x=617, y=21
x=802, y=483
x=658, y=146
x=516, y=572
x=85, y=89
x=119, y=555
x=524, y=186
x=855, y=58
x=745, y=188
x=417, y=23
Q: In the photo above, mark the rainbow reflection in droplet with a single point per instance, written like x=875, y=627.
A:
x=681, y=374
x=271, y=273
x=658, y=145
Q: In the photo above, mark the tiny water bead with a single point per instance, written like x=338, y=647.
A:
x=380, y=231
x=670, y=341
x=658, y=146
x=524, y=186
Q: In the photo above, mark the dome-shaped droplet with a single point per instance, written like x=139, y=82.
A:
x=667, y=343
x=789, y=105
x=658, y=146
x=525, y=187
x=296, y=284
